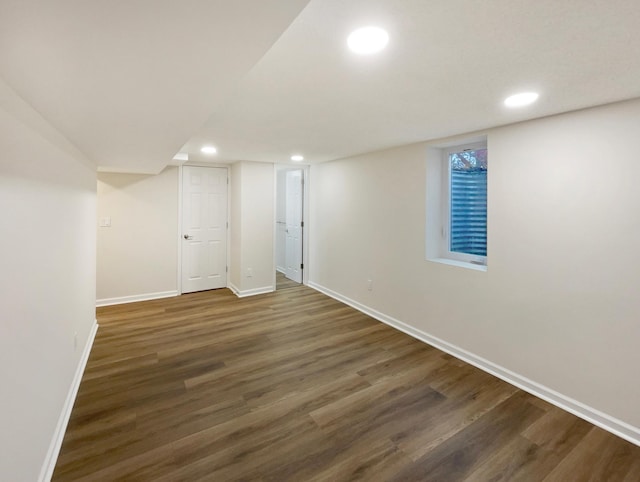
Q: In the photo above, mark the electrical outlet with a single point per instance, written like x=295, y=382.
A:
x=249, y=272
x=370, y=284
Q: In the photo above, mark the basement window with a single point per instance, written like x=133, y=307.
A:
x=457, y=207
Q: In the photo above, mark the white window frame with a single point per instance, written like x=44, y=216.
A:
x=445, y=251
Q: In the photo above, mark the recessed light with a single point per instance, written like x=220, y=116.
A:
x=520, y=100
x=297, y=158
x=368, y=40
x=209, y=150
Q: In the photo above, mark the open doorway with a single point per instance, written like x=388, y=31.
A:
x=289, y=226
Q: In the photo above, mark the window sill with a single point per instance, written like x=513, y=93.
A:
x=460, y=264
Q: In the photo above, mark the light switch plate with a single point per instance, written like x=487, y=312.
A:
x=105, y=222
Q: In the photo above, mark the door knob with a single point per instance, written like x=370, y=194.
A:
x=186, y=236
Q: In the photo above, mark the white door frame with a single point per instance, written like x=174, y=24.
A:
x=294, y=219
x=179, y=233
x=305, y=217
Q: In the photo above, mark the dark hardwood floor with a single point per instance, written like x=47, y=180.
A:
x=295, y=386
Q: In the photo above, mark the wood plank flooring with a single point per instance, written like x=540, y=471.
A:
x=296, y=386
x=282, y=282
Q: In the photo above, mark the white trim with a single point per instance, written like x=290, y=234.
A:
x=131, y=299
x=460, y=264
x=445, y=251
x=229, y=193
x=596, y=417
x=306, y=217
x=275, y=225
x=46, y=472
x=252, y=292
x=179, y=232
x=233, y=288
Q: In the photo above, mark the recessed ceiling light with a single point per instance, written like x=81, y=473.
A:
x=368, y=40
x=520, y=100
x=297, y=157
x=209, y=150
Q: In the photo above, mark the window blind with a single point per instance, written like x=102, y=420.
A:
x=469, y=211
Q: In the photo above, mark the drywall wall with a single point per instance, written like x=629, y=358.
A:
x=558, y=304
x=138, y=253
x=47, y=284
x=252, y=227
x=235, y=226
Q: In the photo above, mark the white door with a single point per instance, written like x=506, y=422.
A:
x=281, y=222
x=293, y=255
x=204, y=228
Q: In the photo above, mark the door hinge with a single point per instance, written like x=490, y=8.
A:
x=227, y=224
x=302, y=224
x=226, y=269
x=302, y=266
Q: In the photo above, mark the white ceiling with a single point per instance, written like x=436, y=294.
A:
x=130, y=81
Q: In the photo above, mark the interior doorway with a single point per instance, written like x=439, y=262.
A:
x=289, y=226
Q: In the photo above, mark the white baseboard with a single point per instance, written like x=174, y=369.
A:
x=131, y=299
x=233, y=288
x=596, y=417
x=256, y=291
x=56, y=443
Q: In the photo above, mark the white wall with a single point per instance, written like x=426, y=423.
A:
x=235, y=225
x=559, y=303
x=138, y=254
x=47, y=282
x=252, y=227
